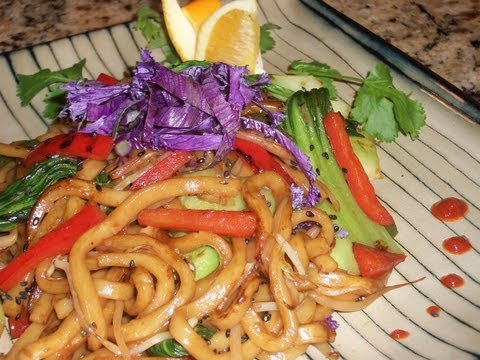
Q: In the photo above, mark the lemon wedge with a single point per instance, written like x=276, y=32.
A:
x=231, y=35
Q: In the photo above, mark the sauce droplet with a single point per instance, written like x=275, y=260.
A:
x=399, y=334
x=434, y=311
x=452, y=281
x=449, y=209
x=457, y=245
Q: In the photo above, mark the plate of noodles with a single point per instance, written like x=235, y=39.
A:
x=154, y=207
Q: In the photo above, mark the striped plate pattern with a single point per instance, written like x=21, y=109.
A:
x=444, y=162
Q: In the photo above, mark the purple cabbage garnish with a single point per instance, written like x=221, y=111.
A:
x=302, y=160
x=331, y=323
x=197, y=108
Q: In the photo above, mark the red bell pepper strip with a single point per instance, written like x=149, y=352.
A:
x=261, y=158
x=221, y=222
x=374, y=263
x=19, y=323
x=59, y=241
x=107, y=79
x=77, y=144
x=164, y=169
x=356, y=177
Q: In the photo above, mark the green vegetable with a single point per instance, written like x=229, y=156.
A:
x=102, y=179
x=283, y=86
x=172, y=347
x=266, y=40
x=18, y=198
x=30, y=85
x=205, y=260
x=152, y=26
x=379, y=107
x=378, y=104
x=366, y=150
x=305, y=124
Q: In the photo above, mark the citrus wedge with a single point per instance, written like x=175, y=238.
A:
x=197, y=11
x=231, y=35
x=181, y=31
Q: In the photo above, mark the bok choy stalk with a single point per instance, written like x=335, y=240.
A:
x=304, y=123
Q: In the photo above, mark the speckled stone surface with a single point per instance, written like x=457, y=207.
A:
x=442, y=34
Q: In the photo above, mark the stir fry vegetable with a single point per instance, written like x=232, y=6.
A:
x=304, y=123
x=17, y=199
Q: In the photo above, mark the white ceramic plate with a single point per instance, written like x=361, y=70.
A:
x=444, y=162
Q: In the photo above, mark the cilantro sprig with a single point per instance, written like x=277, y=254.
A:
x=267, y=42
x=382, y=110
x=152, y=26
x=30, y=85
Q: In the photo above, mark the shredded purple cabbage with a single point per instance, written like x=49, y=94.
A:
x=197, y=108
x=302, y=160
x=331, y=323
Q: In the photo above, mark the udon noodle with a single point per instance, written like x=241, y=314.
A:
x=125, y=287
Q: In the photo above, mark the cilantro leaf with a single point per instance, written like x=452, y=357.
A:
x=30, y=85
x=152, y=27
x=384, y=110
x=267, y=42
x=321, y=71
x=55, y=101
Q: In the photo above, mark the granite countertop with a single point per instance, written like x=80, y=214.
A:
x=444, y=35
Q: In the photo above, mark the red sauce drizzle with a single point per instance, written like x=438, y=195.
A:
x=434, y=311
x=452, y=281
x=399, y=334
x=449, y=209
x=457, y=245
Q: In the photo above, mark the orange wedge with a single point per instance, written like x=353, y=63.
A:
x=231, y=35
x=197, y=11
x=181, y=31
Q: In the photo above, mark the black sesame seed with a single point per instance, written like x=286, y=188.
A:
x=141, y=153
x=201, y=160
x=317, y=170
x=25, y=247
x=23, y=283
x=35, y=221
x=325, y=155
x=226, y=174
x=267, y=316
x=335, y=227
x=309, y=213
x=132, y=263
x=333, y=217
x=227, y=333
x=98, y=187
x=228, y=164
x=67, y=142
x=244, y=338
x=17, y=317
x=312, y=147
